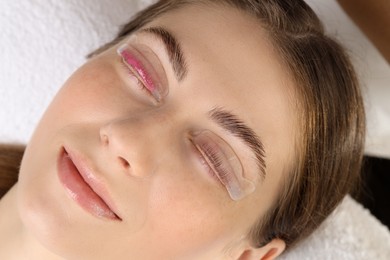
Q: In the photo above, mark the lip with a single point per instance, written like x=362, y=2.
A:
x=82, y=185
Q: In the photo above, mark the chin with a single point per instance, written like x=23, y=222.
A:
x=44, y=215
x=56, y=223
x=57, y=231
x=40, y=223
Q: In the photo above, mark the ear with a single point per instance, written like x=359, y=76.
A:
x=270, y=251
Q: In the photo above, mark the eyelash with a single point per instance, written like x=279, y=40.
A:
x=139, y=83
x=215, y=160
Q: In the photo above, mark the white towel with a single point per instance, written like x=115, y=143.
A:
x=350, y=233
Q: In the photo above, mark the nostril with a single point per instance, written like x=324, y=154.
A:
x=124, y=163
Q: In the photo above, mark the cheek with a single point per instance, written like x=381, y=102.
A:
x=94, y=93
x=185, y=208
x=89, y=93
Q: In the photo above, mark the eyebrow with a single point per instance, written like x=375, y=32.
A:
x=223, y=118
x=173, y=49
x=238, y=128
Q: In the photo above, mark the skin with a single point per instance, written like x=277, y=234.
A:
x=170, y=207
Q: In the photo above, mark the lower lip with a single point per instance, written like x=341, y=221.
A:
x=80, y=191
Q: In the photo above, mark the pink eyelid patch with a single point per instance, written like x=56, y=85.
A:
x=143, y=69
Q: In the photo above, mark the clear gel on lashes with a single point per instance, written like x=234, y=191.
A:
x=136, y=62
x=237, y=185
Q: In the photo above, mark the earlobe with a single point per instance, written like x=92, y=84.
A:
x=270, y=251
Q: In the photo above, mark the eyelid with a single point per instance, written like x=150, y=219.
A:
x=146, y=65
x=237, y=185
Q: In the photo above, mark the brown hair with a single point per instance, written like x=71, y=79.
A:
x=10, y=158
x=332, y=120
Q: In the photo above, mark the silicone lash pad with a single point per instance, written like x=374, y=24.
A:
x=136, y=61
x=237, y=185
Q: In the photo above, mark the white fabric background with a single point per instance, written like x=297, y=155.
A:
x=42, y=42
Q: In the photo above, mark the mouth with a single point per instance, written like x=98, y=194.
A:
x=83, y=187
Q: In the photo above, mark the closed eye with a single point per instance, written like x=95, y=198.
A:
x=215, y=162
x=134, y=78
x=132, y=74
x=222, y=162
x=143, y=63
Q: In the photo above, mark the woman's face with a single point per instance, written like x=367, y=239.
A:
x=153, y=148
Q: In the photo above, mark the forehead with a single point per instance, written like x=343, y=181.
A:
x=230, y=52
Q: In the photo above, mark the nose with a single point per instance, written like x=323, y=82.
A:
x=136, y=145
x=105, y=140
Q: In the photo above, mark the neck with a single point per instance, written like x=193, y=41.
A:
x=16, y=242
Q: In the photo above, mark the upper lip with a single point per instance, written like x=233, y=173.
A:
x=88, y=173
